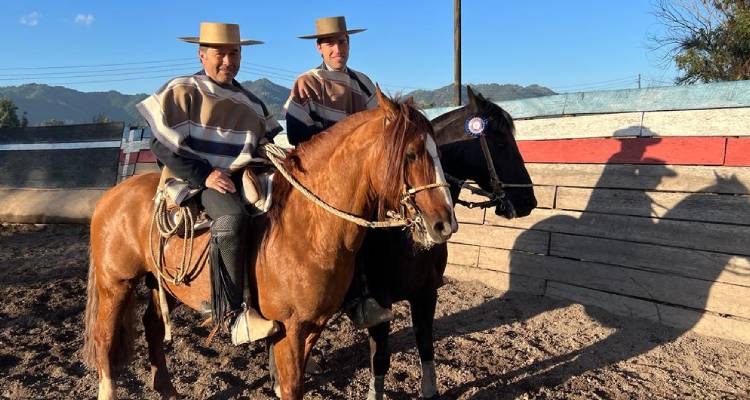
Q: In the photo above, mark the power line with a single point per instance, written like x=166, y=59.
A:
x=119, y=74
x=65, y=73
x=564, y=88
x=117, y=80
x=273, y=68
x=263, y=75
x=98, y=65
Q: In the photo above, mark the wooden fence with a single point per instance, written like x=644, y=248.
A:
x=56, y=174
x=645, y=214
x=644, y=206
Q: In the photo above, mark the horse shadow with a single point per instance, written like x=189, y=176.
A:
x=627, y=340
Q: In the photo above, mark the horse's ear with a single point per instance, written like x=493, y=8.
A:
x=473, y=101
x=384, y=102
x=409, y=101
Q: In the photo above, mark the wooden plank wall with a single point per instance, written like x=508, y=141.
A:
x=56, y=174
x=655, y=228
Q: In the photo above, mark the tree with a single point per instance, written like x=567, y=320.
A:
x=709, y=40
x=8, y=117
x=52, y=122
x=100, y=119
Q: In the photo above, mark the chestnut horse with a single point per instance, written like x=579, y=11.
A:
x=396, y=272
x=303, y=256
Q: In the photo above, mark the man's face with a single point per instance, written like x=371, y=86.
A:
x=221, y=63
x=334, y=50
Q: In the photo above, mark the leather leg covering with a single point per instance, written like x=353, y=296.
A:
x=227, y=265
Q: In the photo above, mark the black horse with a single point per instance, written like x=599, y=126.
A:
x=397, y=271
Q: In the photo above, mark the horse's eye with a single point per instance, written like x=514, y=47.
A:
x=411, y=156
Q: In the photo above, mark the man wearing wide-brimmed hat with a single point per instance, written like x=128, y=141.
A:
x=331, y=91
x=321, y=97
x=206, y=127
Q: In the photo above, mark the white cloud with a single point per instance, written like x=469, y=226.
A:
x=85, y=19
x=30, y=19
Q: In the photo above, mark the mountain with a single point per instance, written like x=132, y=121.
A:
x=274, y=96
x=43, y=102
x=443, y=97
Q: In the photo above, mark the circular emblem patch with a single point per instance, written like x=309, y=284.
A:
x=475, y=126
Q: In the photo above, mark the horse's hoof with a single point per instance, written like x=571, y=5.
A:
x=313, y=367
x=374, y=395
x=169, y=394
x=376, y=389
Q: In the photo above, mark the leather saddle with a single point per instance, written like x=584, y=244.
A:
x=257, y=186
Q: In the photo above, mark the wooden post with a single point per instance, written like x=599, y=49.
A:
x=457, y=53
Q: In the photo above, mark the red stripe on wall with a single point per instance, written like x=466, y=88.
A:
x=672, y=150
x=738, y=152
x=146, y=156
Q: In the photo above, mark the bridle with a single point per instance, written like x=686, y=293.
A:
x=408, y=217
x=498, y=197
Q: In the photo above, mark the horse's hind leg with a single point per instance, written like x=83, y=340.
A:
x=113, y=333
x=154, y=329
x=380, y=359
x=422, y=316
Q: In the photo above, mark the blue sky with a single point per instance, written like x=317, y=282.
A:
x=565, y=45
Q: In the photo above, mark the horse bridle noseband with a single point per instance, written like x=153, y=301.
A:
x=409, y=204
x=498, y=196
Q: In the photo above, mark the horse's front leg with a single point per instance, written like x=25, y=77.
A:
x=380, y=359
x=290, y=355
x=422, y=317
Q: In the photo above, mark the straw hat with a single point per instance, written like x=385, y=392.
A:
x=330, y=26
x=217, y=33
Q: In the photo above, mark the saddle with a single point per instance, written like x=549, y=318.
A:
x=257, y=186
x=177, y=211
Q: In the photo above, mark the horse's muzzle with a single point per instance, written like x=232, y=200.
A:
x=439, y=231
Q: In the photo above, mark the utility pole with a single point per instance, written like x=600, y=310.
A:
x=457, y=52
x=639, y=81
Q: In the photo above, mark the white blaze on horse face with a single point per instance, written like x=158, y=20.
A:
x=440, y=178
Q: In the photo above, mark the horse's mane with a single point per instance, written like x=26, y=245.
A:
x=293, y=162
x=405, y=126
x=406, y=123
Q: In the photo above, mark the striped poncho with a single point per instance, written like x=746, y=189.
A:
x=198, y=119
x=321, y=97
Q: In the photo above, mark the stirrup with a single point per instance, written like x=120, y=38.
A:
x=368, y=313
x=250, y=326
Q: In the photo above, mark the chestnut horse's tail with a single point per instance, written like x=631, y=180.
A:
x=92, y=305
x=124, y=337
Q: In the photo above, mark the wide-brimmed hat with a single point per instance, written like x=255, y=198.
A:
x=330, y=26
x=217, y=33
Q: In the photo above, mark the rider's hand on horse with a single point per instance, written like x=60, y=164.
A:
x=220, y=181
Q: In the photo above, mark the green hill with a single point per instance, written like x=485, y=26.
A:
x=43, y=102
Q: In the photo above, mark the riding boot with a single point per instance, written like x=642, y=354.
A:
x=363, y=310
x=228, y=265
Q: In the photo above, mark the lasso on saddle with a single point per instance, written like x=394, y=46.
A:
x=177, y=213
x=174, y=200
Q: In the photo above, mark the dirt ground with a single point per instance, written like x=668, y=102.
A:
x=489, y=345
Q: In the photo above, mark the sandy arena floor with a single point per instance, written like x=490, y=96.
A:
x=489, y=345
